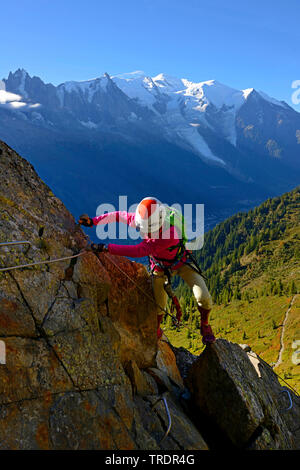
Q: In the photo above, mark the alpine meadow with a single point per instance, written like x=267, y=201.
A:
x=251, y=263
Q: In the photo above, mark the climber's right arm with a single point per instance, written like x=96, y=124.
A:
x=117, y=216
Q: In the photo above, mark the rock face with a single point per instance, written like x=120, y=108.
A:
x=83, y=368
x=78, y=335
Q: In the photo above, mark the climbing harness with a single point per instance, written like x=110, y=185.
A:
x=163, y=398
x=37, y=262
x=181, y=252
x=170, y=263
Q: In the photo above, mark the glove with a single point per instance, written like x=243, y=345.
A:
x=97, y=248
x=85, y=220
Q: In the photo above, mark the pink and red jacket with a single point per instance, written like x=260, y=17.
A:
x=155, y=247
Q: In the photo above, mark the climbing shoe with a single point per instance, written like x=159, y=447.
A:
x=207, y=335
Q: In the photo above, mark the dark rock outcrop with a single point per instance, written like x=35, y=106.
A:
x=240, y=393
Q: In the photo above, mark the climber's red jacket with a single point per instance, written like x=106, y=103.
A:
x=156, y=247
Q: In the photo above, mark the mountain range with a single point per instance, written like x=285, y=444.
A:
x=136, y=135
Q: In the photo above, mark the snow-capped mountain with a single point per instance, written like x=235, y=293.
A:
x=244, y=134
x=186, y=105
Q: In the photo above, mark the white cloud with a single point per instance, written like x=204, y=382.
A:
x=6, y=97
x=13, y=101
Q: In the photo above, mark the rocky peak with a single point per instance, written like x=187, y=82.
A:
x=83, y=368
x=17, y=82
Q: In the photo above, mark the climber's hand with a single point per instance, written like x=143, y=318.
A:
x=97, y=248
x=85, y=220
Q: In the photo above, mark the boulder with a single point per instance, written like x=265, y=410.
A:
x=238, y=396
x=166, y=363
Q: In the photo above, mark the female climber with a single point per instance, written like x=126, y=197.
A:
x=164, y=243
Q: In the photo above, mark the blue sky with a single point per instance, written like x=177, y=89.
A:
x=240, y=43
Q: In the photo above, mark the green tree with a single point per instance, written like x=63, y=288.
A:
x=292, y=288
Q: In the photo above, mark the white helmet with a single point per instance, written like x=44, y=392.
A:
x=150, y=215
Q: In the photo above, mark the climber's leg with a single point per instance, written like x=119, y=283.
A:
x=203, y=298
x=207, y=335
x=160, y=296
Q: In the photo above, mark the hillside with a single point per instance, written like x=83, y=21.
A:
x=251, y=262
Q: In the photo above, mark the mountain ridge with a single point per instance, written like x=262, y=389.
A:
x=156, y=94
x=178, y=106
x=74, y=131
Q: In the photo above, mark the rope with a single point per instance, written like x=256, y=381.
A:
x=75, y=256
x=270, y=367
x=10, y=268
x=41, y=262
x=142, y=290
x=15, y=243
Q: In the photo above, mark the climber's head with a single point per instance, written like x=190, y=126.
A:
x=150, y=215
